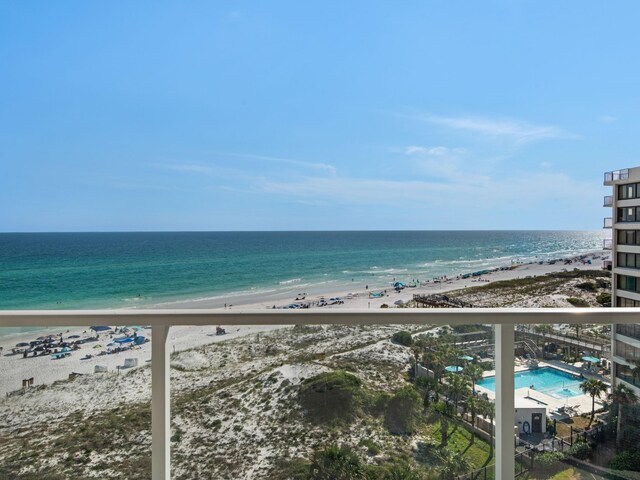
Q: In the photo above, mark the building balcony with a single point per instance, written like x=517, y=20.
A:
x=607, y=244
x=614, y=176
x=608, y=222
x=182, y=422
x=608, y=201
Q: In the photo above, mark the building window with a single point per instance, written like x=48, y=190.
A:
x=628, y=260
x=627, y=191
x=628, y=214
x=623, y=372
x=630, y=284
x=628, y=237
x=632, y=331
x=626, y=302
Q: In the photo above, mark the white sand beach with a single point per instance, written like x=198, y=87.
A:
x=46, y=370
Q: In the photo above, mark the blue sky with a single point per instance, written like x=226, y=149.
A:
x=275, y=115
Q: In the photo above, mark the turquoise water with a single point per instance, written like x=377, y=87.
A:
x=115, y=270
x=553, y=382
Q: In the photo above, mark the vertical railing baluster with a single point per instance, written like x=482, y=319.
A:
x=505, y=407
x=160, y=403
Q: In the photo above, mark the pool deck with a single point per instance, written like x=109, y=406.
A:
x=557, y=408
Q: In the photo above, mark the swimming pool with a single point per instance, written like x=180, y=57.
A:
x=553, y=382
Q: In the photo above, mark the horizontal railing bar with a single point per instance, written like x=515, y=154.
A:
x=439, y=316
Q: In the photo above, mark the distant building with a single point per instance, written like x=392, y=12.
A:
x=625, y=256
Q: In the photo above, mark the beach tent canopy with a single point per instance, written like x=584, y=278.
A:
x=453, y=369
x=398, y=285
x=139, y=340
x=465, y=357
x=100, y=328
x=398, y=302
x=591, y=359
x=22, y=344
x=123, y=340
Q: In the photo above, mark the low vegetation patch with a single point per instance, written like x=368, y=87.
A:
x=578, y=302
x=331, y=397
x=403, y=338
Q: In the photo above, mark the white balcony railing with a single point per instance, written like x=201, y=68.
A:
x=607, y=244
x=608, y=201
x=504, y=321
x=608, y=222
x=616, y=175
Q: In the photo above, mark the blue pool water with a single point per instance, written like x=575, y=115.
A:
x=553, y=382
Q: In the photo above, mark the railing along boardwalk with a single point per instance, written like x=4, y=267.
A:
x=504, y=320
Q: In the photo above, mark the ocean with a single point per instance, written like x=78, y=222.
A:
x=126, y=270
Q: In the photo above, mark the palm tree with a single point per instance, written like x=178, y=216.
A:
x=474, y=372
x=453, y=463
x=635, y=369
x=622, y=395
x=429, y=388
x=595, y=388
x=472, y=406
x=437, y=414
x=336, y=463
x=457, y=387
x=402, y=471
x=488, y=410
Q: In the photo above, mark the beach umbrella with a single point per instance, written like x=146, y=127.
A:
x=591, y=359
x=73, y=336
x=453, y=369
x=398, y=302
x=123, y=340
x=465, y=357
x=22, y=344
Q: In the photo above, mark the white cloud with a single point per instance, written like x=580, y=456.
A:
x=523, y=192
x=436, y=151
x=444, y=163
x=286, y=161
x=517, y=130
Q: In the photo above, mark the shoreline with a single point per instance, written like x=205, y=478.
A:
x=361, y=298
x=15, y=368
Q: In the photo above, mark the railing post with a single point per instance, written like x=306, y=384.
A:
x=160, y=403
x=505, y=408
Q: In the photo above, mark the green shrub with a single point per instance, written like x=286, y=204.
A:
x=579, y=450
x=403, y=338
x=549, y=459
x=331, y=397
x=587, y=286
x=376, y=403
x=372, y=447
x=577, y=302
x=627, y=460
x=604, y=299
x=403, y=410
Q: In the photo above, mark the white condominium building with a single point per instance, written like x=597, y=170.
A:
x=625, y=247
